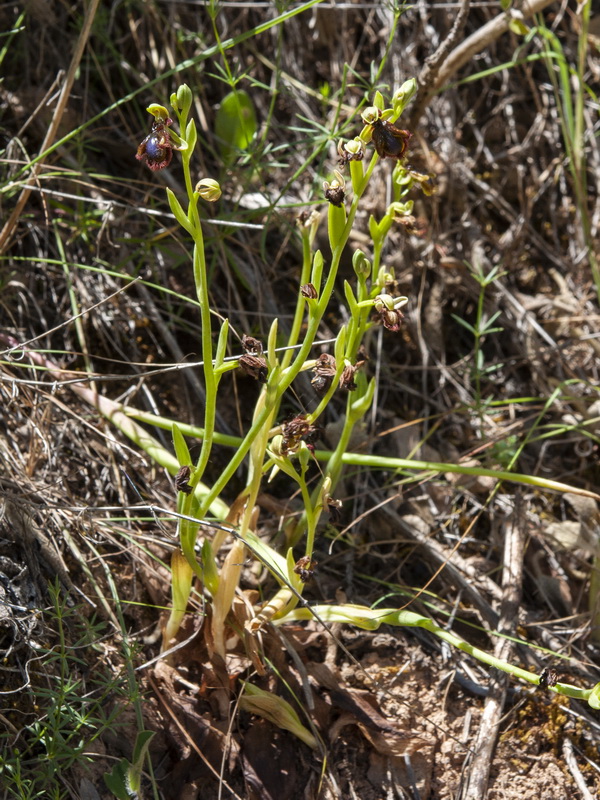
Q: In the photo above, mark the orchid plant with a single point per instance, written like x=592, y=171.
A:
x=272, y=445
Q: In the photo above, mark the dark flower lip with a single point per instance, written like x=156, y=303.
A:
x=390, y=141
x=335, y=195
x=156, y=150
x=334, y=507
x=391, y=319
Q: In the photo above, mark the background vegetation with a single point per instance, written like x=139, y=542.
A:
x=495, y=368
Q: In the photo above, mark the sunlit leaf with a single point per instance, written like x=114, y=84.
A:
x=235, y=124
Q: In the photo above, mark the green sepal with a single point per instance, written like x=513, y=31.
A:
x=181, y=449
x=340, y=345
x=221, y=344
x=191, y=137
x=272, y=344
x=317, y=270
x=350, y=299
x=378, y=101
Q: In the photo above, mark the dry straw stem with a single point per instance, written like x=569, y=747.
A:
x=512, y=582
x=465, y=51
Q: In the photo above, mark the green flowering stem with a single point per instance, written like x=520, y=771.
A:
x=190, y=221
x=372, y=618
x=301, y=301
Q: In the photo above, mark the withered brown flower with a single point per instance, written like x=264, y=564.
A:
x=182, y=478
x=255, y=366
x=324, y=369
x=305, y=568
x=347, y=378
x=389, y=312
x=391, y=319
x=351, y=151
x=252, y=345
x=334, y=508
x=548, y=676
x=308, y=290
x=335, y=195
x=298, y=430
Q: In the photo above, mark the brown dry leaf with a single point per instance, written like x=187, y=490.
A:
x=269, y=760
x=393, y=743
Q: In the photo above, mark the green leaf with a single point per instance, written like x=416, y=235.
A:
x=211, y=573
x=464, y=323
x=518, y=26
x=117, y=780
x=235, y=124
x=178, y=211
x=594, y=698
x=134, y=772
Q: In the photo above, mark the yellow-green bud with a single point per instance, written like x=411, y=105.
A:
x=361, y=264
x=403, y=95
x=276, y=445
x=183, y=100
x=208, y=189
